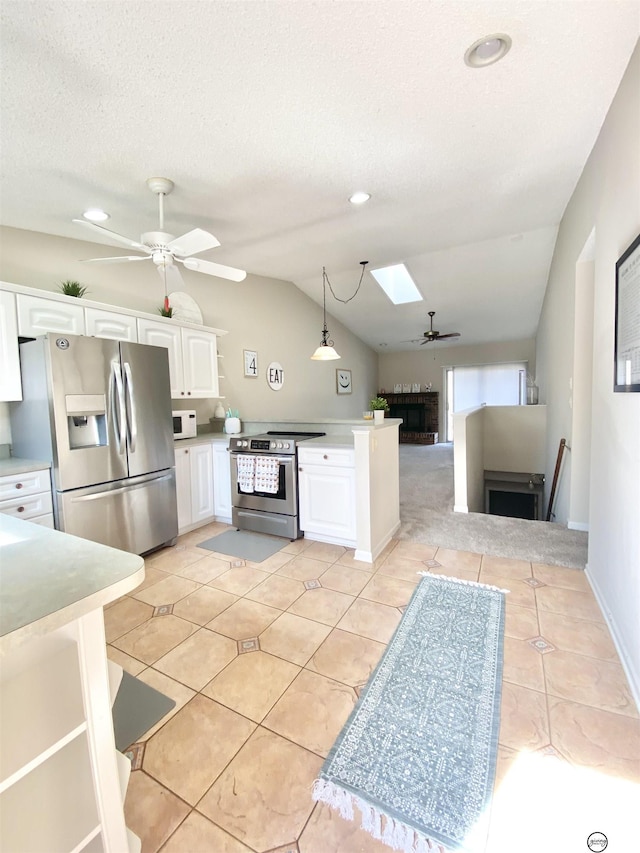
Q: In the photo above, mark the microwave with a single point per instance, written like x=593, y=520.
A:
x=184, y=424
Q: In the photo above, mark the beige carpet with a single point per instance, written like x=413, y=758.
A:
x=426, y=515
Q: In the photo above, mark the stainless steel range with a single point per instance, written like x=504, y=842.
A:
x=264, y=482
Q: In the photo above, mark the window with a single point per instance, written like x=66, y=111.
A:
x=468, y=386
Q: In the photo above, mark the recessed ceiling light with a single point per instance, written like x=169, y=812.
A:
x=359, y=197
x=487, y=50
x=94, y=214
x=397, y=283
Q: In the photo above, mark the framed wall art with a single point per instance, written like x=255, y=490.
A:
x=626, y=351
x=343, y=381
x=251, y=363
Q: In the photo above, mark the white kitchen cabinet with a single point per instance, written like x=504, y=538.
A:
x=10, y=384
x=221, y=482
x=200, y=361
x=193, y=362
x=327, y=494
x=201, y=483
x=38, y=315
x=110, y=324
x=194, y=485
x=27, y=496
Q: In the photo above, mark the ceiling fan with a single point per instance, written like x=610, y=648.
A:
x=165, y=249
x=432, y=335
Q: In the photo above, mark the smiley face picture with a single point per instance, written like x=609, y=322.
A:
x=343, y=381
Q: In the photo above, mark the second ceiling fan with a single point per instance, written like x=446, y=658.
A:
x=432, y=335
x=164, y=249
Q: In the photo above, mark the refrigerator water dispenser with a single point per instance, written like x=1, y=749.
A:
x=86, y=420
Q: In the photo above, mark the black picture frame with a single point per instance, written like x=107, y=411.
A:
x=626, y=351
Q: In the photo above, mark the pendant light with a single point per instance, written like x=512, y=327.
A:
x=325, y=352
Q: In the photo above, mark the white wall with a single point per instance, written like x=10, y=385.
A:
x=607, y=198
x=515, y=439
x=425, y=364
x=263, y=314
x=468, y=460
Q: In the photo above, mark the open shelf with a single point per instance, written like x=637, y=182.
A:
x=59, y=794
x=41, y=712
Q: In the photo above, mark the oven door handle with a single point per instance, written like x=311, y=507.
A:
x=284, y=460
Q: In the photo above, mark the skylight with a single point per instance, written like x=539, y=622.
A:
x=397, y=283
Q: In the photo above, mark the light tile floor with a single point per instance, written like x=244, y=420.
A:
x=265, y=662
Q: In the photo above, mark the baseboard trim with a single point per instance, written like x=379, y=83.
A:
x=461, y=508
x=578, y=525
x=632, y=677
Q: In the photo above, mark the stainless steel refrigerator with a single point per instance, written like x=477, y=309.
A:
x=100, y=412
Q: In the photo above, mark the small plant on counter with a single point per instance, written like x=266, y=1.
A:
x=72, y=288
x=379, y=403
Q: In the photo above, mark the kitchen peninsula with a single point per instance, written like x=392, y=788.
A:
x=62, y=783
x=348, y=480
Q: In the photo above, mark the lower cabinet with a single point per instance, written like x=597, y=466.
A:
x=62, y=783
x=327, y=494
x=28, y=496
x=221, y=482
x=194, y=485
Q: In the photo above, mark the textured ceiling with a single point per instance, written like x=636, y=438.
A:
x=268, y=115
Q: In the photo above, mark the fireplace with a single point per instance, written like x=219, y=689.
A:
x=419, y=415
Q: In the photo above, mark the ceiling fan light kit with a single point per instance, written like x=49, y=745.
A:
x=164, y=249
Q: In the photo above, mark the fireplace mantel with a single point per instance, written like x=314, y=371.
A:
x=419, y=413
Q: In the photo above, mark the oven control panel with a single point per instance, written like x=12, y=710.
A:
x=261, y=444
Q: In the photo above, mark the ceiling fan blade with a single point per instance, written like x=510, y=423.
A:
x=449, y=335
x=172, y=278
x=111, y=235
x=210, y=268
x=193, y=242
x=426, y=341
x=120, y=259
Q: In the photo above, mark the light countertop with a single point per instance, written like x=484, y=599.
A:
x=49, y=578
x=14, y=465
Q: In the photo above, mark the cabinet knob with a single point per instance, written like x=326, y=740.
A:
x=189, y=393
x=300, y=469
x=182, y=393
x=20, y=509
x=19, y=486
x=325, y=456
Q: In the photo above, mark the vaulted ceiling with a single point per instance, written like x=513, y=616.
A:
x=268, y=115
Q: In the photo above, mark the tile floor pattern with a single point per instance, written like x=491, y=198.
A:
x=265, y=662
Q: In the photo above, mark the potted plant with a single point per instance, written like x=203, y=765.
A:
x=72, y=288
x=379, y=406
x=166, y=310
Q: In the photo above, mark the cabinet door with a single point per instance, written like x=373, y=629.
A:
x=327, y=501
x=200, y=357
x=38, y=316
x=201, y=483
x=167, y=336
x=221, y=482
x=183, y=487
x=109, y=324
x=10, y=385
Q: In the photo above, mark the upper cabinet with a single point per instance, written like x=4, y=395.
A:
x=109, y=324
x=193, y=362
x=26, y=312
x=10, y=384
x=37, y=316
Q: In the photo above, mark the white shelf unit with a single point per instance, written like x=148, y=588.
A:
x=62, y=783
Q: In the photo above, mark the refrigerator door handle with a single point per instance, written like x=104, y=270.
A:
x=118, y=408
x=131, y=409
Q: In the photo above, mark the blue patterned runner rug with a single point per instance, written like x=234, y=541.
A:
x=417, y=755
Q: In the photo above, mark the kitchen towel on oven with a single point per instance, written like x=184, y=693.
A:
x=267, y=477
x=246, y=472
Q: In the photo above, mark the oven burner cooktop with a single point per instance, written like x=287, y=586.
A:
x=283, y=443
